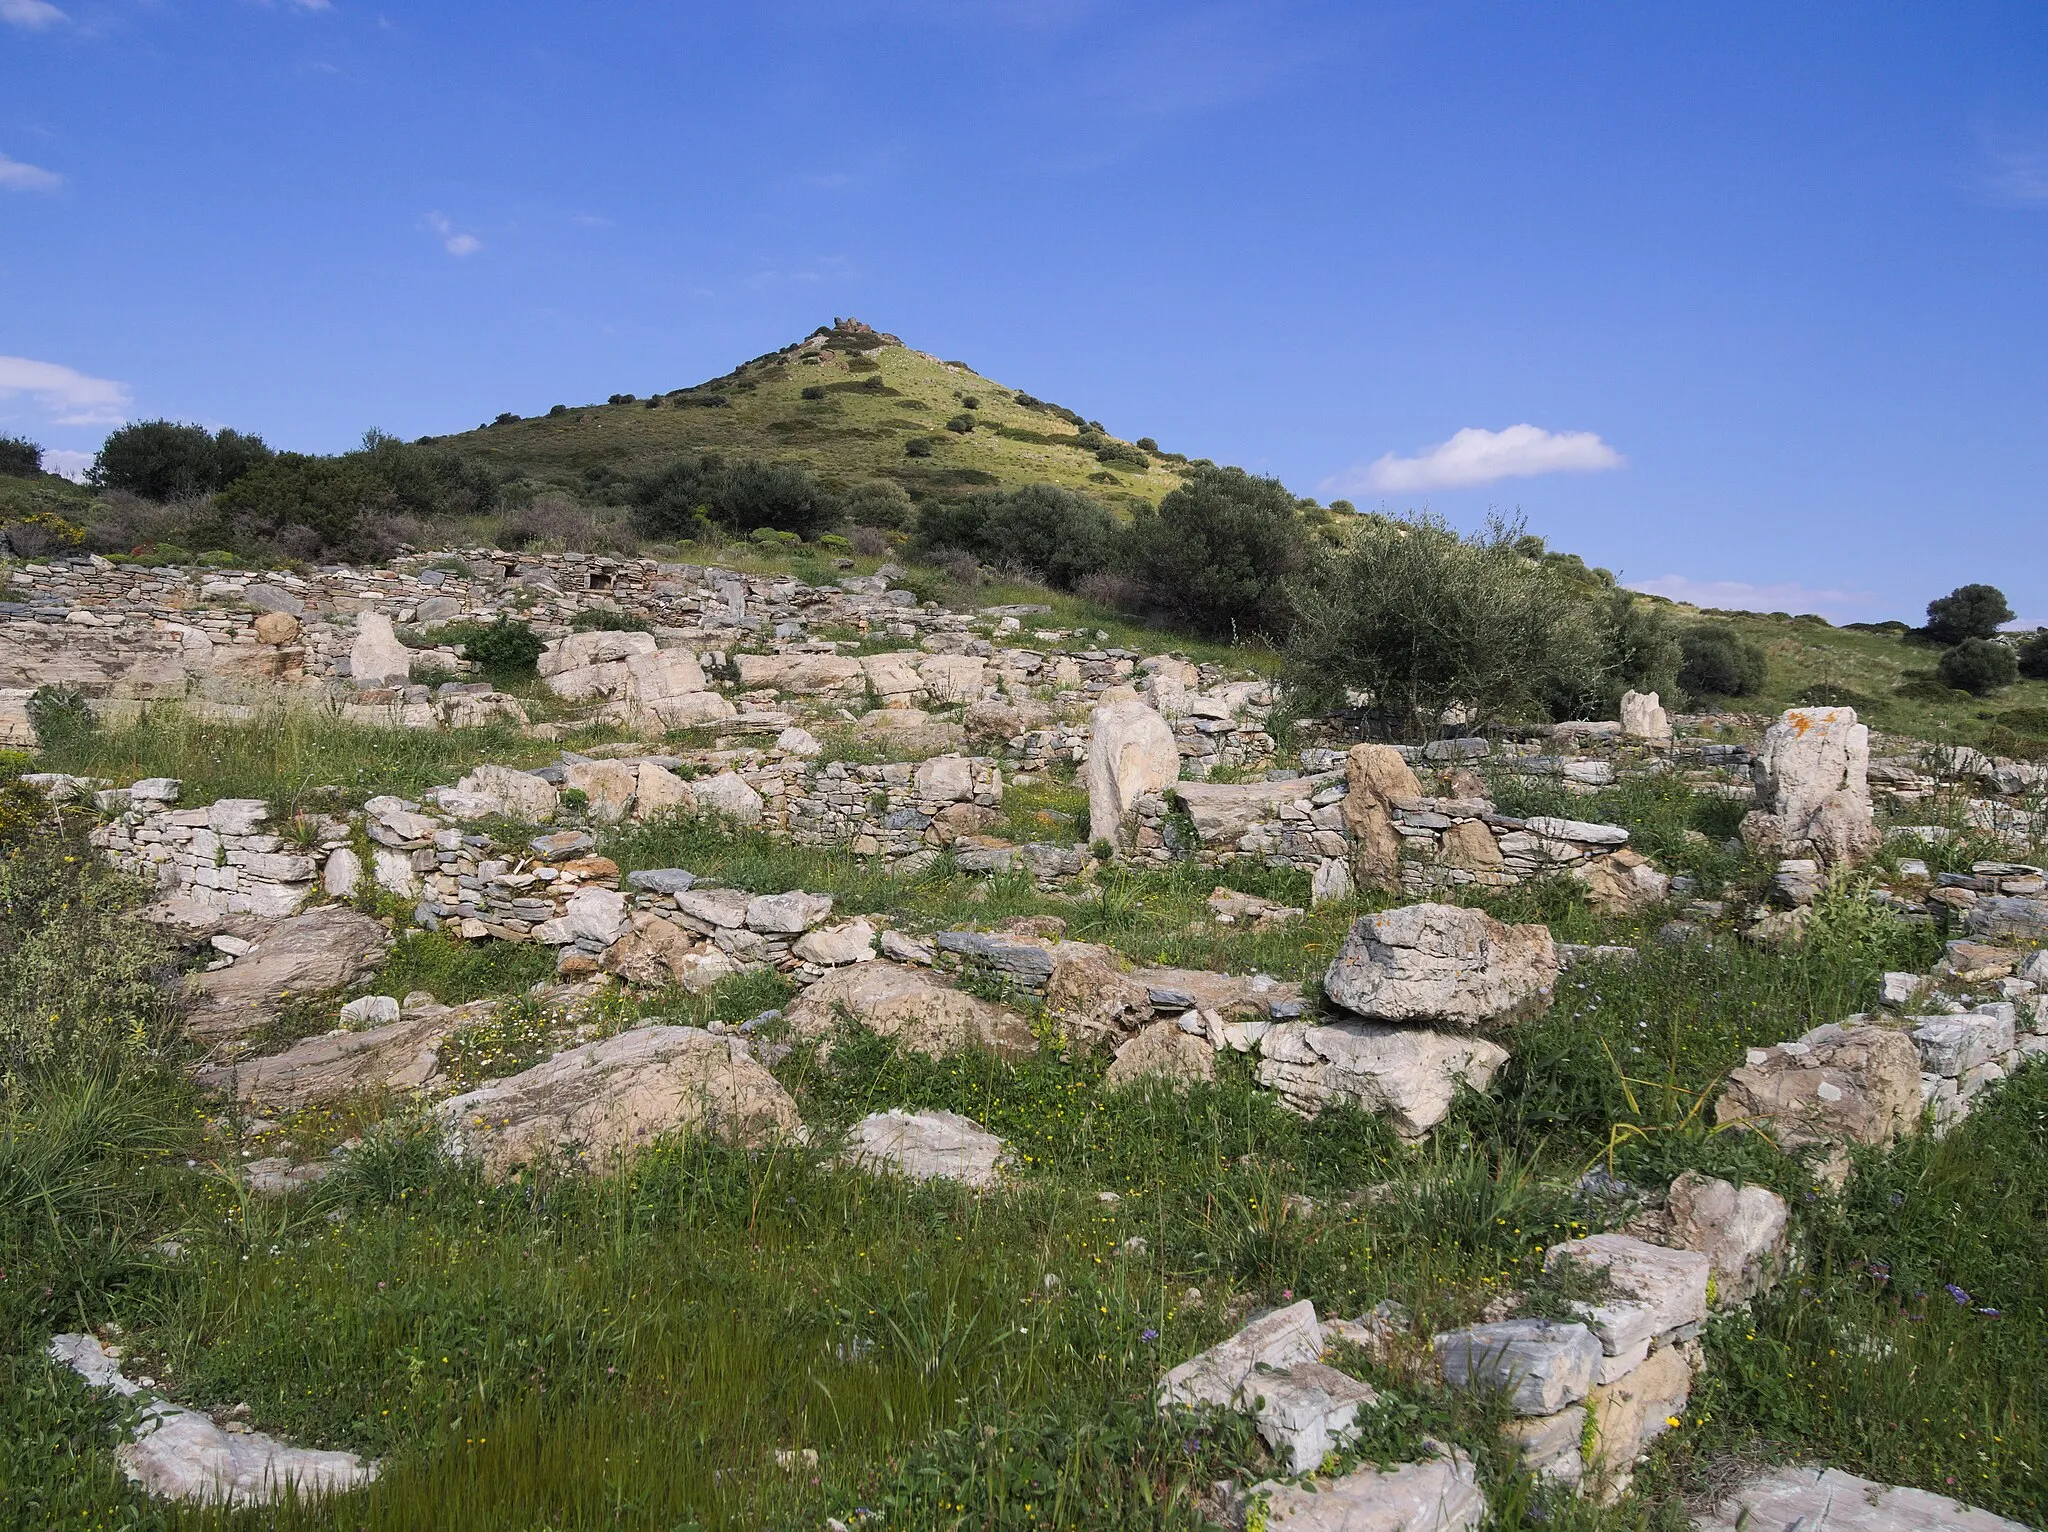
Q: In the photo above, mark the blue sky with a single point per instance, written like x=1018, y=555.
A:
x=1746, y=302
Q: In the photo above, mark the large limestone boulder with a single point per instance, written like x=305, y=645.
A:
x=931, y=1145
x=577, y=651
x=377, y=658
x=326, y=948
x=1654, y=1290
x=609, y=785
x=658, y=791
x=916, y=1008
x=609, y=1098
x=1622, y=883
x=1223, y=811
x=1439, y=1495
x=1741, y=1231
x=1541, y=1364
x=1408, y=1075
x=729, y=796
x=1838, y=1084
x=1092, y=995
x=798, y=672
x=1162, y=1052
x=1377, y=774
x=666, y=688
x=399, y=1056
x=517, y=794
x=1442, y=964
x=1812, y=788
x=1643, y=718
x=1130, y=753
x=1220, y=1376
x=1802, y=1498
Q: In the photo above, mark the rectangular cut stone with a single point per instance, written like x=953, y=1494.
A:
x=1541, y=1364
x=1282, y=1339
x=1657, y=1290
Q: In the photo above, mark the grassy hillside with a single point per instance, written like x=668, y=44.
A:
x=1887, y=676
x=871, y=395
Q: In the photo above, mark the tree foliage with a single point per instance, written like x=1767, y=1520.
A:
x=1056, y=535
x=166, y=460
x=1418, y=623
x=20, y=458
x=1719, y=662
x=1978, y=666
x=1968, y=611
x=691, y=493
x=1221, y=554
x=2032, y=656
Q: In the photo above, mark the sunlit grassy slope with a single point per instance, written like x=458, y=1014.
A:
x=878, y=394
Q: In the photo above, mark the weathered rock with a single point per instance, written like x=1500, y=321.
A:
x=400, y=1055
x=1440, y=1495
x=277, y=628
x=1812, y=787
x=1442, y=963
x=370, y=1011
x=610, y=786
x=717, y=908
x=787, y=914
x=1130, y=753
x=661, y=880
x=654, y=953
x=1742, y=1232
x=1541, y=1364
x=1837, y=1084
x=180, y=1454
x=1287, y=1337
x=609, y=1098
x=341, y=874
x=834, y=946
x=1549, y=1445
x=1634, y=1410
x=596, y=917
x=912, y=1006
x=520, y=794
x=1306, y=1412
x=927, y=1146
x=1796, y=1498
x=1377, y=775
x=326, y=948
x=1223, y=811
x=1162, y=1052
x=728, y=796
x=271, y=598
x=2008, y=918
x=1092, y=995
x=1467, y=843
x=578, y=651
x=1655, y=1292
x=1642, y=718
x=377, y=658
x=1622, y=883
x=1409, y=1075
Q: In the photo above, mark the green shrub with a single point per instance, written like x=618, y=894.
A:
x=1719, y=662
x=20, y=458
x=1925, y=688
x=879, y=503
x=507, y=650
x=1147, y=444
x=2032, y=656
x=1117, y=452
x=1219, y=554
x=558, y=409
x=163, y=460
x=1051, y=534
x=1422, y=620
x=1967, y=612
x=960, y=424
x=814, y=391
x=61, y=716
x=742, y=495
x=603, y=619
x=1978, y=666
x=2026, y=720
x=918, y=446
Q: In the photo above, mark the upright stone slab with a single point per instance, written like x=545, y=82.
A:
x=1376, y=774
x=1812, y=788
x=1130, y=753
x=377, y=658
x=1642, y=718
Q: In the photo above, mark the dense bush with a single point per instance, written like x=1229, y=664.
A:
x=60, y=716
x=163, y=460
x=556, y=520
x=1978, y=666
x=507, y=650
x=309, y=508
x=20, y=458
x=960, y=424
x=1418, y=621
x=814, y=391
x=879, y=503
x=1117, y=452
x=428, y=482
x=1968, y=611
x=1719, y=662
x=918, y=446
x=740, y=496
x=2032, y=656
x=1219, y=554
x=1638, y=650
x=1051, y=534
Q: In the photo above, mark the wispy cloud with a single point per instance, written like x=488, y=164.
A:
x=68, y=396
x=2013, y=169
x=34, y=15
x=19, y=175
x=1479, y=456
x=70, y=464
x=453, y=240
x=1741, y=596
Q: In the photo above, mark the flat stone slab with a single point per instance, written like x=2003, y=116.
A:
x=181, y=1454
x=1306, y=1411
x=1658, y=1290
x=1543, y=1365
x=1441, y=1495
x=927, y=1146
x=1285, y=1338
x=1828, y=1500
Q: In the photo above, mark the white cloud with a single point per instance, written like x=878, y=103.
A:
x=1740, y=596
x=1479, y=456
x=70, y=464
x=31, y=14
x=70, y=397
x=2014, y=172
x=19, y=175
x=453, y=241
